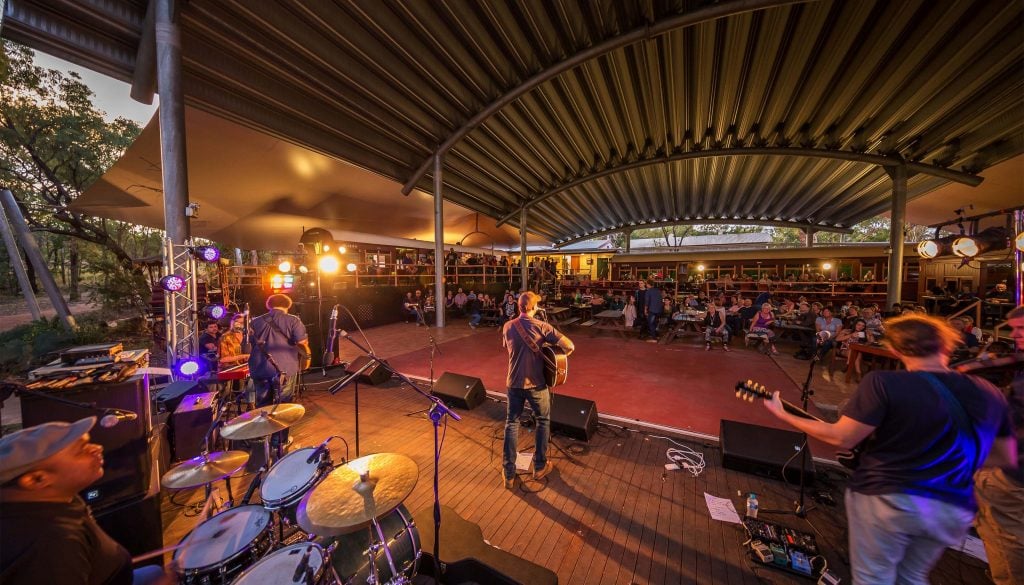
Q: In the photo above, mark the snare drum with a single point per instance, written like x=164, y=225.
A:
x=282, y=566
x=219, y=548
x=289, y=479
x=402, y=538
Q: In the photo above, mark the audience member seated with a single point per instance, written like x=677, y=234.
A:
x=852, y=315
x=826, y=324
x=449, y=302
x=617, y=304
x=715, y=326
x=761, y=325
x=873, y=321
x=856, y=333
x=411, y=310
x=429, y=307
x=999, y=293
x=473, y=307
x=460, y=302
x=508, y=308
x=967, y=339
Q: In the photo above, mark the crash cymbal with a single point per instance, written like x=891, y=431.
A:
x=345, y=501
x=262, y=422
x=204, y=469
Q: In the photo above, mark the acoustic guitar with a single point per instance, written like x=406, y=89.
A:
x=556, y=365
x=749, y=390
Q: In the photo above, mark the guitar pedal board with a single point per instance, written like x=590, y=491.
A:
x=782, y=547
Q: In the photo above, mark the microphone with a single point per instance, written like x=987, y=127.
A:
x=320, y=450
x=334, y=313
x=303, y=565
x=112, y=416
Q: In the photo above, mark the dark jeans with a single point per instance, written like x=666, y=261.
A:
x=652, y=324
x=266, y=392
x=540, y=402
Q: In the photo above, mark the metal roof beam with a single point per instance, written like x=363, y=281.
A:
x=651, y=30
x=726, y=221
x=874, y=159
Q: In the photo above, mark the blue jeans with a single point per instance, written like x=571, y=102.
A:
x=652, y=324
x=474, y=319
x=540, y=402
x=266, y=391
x=898, y=538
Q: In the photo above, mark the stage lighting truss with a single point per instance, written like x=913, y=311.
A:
x=180, y=307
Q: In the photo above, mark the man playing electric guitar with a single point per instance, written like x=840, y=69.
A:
x=931, y=428
x=522, y=337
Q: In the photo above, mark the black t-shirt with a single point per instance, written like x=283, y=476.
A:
x=58, y=544
x=916, y=447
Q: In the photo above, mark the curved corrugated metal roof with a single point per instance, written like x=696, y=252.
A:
x=599, y=115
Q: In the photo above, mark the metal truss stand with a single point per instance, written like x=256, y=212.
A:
x=180, y=306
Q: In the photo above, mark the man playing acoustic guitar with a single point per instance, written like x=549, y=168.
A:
x=522, y=337
x=930, y=428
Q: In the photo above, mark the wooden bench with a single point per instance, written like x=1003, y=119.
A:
x=567, y=322
x=588, y=323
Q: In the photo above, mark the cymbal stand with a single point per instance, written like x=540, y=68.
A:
x=353, y=377
x=217, y=421
x=438, y=411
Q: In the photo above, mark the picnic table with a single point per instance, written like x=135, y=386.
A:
x=681, y=323
x=853, y=361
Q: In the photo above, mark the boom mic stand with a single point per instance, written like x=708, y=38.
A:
x=438, y=411
x=805, y=396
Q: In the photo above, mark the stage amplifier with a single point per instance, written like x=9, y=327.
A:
x=573, y=417
x=764, y=451
x=190, y=422
x=459, y=391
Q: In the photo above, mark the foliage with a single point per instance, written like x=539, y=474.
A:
x=869, y=230
x=674, y=234
x=33, y=344
x=54, y=144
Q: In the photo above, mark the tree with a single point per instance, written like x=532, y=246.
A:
x=54, y=143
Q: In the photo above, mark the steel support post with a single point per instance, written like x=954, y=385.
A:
x=1018, y=255
x=172, y=121
x=897, y=225
x=439, y=266
x=19, y=268
x=629, y=236
x=35, y=256
x=524, y=269
x=809, y=233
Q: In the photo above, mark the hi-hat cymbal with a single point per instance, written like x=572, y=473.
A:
x=202, y=470
x=344, y=501
x=262, y=422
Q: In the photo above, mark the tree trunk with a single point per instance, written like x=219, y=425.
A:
x=76, y=269
x=31, y=270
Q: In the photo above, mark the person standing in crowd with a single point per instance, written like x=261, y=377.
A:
x=653, y=309
x=629, y=312
x=522, y=338
x=931, y=428
x=47, y=533
x=1000, y=492
x=641, y=308
x=280, y=351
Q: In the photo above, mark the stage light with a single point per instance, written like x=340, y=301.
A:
x=928, y=249
x=215, y=312
x=993, y=238
x=206, y=253
x=351, y=266
x=826, y=266
x=326, y=248
x=303, y=269
x=700, y=267
x=1019, y=241
x=188, y=367
x=966, y=247
x=172, y=283
x=281, y=282
x=341, y=249
x=329, y=264
x=285, y=266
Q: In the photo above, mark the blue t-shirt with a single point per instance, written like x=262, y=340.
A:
x=653, y=301
x=917, y=448
x=281, y=345
x=832, y=326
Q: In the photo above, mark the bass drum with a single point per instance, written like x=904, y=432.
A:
x=350, y=560
x=304, y=559
x=219, y=548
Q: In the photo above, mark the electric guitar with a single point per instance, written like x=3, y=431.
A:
x=556, y=365
x=750, y=390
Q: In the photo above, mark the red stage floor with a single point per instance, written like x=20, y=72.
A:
x=678, y=385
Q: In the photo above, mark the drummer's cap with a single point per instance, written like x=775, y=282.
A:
x=21, y=451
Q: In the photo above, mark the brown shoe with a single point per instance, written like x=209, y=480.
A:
x=508, y=483
x=542, y=473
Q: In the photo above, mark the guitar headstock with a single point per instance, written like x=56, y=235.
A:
x=750, y=389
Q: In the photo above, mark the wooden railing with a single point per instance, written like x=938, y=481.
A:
x=976, y=305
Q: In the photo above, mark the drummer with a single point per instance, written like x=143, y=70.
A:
x=47, y=533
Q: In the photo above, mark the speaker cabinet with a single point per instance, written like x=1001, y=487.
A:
x=763, y=451
x=573, y=417
x=169, y=397
x=456, y=390
x=126, y=452
x=374, y=376
x=190, y=422
x=136, y=524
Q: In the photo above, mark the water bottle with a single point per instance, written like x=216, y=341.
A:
x=752, y=505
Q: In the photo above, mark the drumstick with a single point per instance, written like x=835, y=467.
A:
x=157, y=553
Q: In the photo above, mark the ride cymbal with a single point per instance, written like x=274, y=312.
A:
x=202, y=470
x=356, y=493
x=262, y=422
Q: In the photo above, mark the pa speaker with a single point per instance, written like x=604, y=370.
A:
x=136, y=525
x=190, y=422
x=128, y=461
x=374, y=376
x=763, y=451
x=573, y=417
x=169, y=397
x=465, y=392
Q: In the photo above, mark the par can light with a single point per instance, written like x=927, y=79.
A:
x=207, y=253
x=189, y=367
x=172, y=283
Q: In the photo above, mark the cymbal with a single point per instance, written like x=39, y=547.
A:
x=345, y=502
x=262, y=421
x=202, y=470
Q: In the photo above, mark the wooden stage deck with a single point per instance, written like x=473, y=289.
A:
x=615, y=517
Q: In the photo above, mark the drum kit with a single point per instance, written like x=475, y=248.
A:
x=318, y=523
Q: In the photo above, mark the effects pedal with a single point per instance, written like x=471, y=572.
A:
x=799, y=563
x=779, y=555
x=762, y=552
x=828, y=578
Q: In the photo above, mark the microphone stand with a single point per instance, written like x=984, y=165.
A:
x=805, y=395
x=438, y=411
x=327, y=358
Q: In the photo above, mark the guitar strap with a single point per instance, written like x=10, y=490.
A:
x=517, y=323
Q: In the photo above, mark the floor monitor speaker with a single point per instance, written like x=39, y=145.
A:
x=459, y=391
x=374, y=376
x=763, y=451
x=190, y=423
x=126, y=452
x=573, y=417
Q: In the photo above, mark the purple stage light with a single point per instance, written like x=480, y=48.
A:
x=172, y=283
